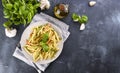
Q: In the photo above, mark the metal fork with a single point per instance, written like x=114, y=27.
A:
x=38, y=70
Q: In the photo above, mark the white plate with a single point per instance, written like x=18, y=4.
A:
x=26, y=35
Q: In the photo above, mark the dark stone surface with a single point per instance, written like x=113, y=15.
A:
x=94, y=50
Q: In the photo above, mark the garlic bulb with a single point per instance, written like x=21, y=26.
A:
x=10, y=32
x=45, y=4
x=82, y=27
x=92, y=3
x=48, y=5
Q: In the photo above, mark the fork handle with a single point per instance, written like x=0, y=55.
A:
x=39, y=71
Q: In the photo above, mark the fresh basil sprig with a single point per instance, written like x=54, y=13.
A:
x=19, y=11
x=80, y=19
x=76, y=17
x=44, y=46
x=43, y=41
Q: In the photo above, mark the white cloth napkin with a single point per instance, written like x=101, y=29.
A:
x=38, y=17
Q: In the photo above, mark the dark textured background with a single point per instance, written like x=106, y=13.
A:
x=94, y=50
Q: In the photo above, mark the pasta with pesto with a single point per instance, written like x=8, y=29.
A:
x=42, y=43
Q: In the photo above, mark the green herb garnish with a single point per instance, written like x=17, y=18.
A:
x=84, y=19
x=19, y=11
x=44, y=46
x=80, y=19
x=75, y=17
x=45, y=37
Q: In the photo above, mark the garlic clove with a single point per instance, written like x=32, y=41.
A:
x=92, y=3
x=47, y=5
x=10, y=32
x=82, y=27
x=42, y=6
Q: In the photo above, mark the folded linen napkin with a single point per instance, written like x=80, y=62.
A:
x=39, y=17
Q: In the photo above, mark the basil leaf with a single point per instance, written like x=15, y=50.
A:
x=16, y=6
x=45, y=37
x=17, y=3
x=7, y=24
x=7, y=16
x=29, y=17
x=31, y=7
x=6, y=12
x=44, y=46
x=26, y=12
x=37, y=5
x=75, y=17
x=84, y=19
x=3, y=3
x=16, y=22
x=24, y=21
x=9, y=6
x=21, y=10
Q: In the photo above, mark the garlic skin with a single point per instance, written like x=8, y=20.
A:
x=92, y=3
x=10, y=32
x=82, y=27
x=45, y=4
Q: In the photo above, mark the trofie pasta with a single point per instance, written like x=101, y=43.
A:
x=42, y=43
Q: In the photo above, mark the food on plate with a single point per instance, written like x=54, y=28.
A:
x=42, y=43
